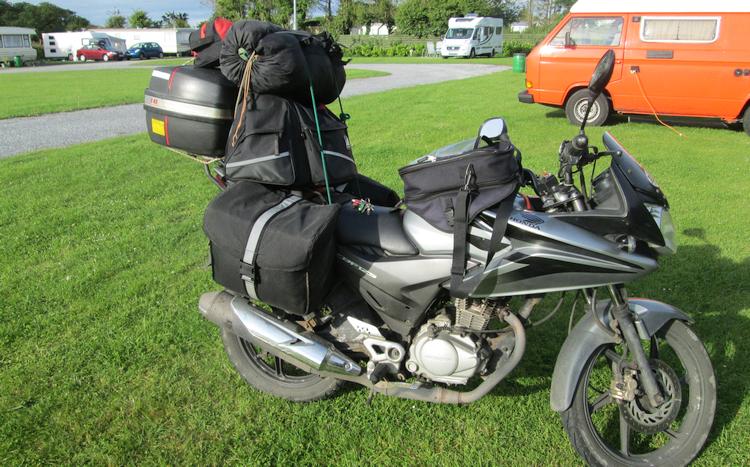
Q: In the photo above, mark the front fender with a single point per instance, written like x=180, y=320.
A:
x=586, y=337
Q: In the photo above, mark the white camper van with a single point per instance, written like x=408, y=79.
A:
x=16, y=42
x=65, y=44
x=473, y=35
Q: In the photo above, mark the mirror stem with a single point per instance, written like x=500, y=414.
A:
x=588, y=109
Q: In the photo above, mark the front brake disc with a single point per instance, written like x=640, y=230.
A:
x=641, y=416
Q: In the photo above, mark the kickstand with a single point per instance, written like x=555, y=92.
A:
x=371, y=397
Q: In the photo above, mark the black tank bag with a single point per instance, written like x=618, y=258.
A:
x=272, y=246
x=450, y=191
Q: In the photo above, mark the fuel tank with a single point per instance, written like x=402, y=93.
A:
x=539, y=254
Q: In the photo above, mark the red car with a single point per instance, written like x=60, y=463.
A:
x=97, y=52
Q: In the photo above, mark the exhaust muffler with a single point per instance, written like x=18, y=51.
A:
x=281, y=338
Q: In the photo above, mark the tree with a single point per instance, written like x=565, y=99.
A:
x=508, y=10
x=425, y=18
x=275, y=11
x=140, y=19
x=175, y=20
x=383, y=11
x=44, y=17
x=115, y=21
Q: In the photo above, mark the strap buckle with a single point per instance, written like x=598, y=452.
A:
x=470, y=180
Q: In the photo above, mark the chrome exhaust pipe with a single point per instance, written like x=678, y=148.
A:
x=284, y=339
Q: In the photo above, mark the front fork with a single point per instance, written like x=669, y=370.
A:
x=625, y=322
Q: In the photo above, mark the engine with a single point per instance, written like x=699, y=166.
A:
x=443, y=354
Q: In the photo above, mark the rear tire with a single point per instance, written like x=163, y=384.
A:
x=279, y=378
x=161, y=54
x=575, y=109
x=105, y=58
x=82, y=58
x=142, y=56
x=746, y=121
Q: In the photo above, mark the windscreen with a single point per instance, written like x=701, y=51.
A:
x=458, y=33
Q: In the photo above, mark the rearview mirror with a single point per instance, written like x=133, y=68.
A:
x=602, y=73
x=491, y=131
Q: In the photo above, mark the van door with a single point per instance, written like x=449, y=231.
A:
x=568, y=59
x=684, y=64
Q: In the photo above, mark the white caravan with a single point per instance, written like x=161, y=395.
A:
x=16, y=42
x=172, y=40
x=65, y=44
x=473, y=35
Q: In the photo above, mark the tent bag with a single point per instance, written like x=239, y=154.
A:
x=272, y=246
x=206, y=42
x=243, y=35
x=277, y=144
x=431, y=183
x=190, y=108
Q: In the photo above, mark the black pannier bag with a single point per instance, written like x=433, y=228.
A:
x=272, y=246
x=190, y=109
x=432, y=183
x=276, y=143
x=205, y=42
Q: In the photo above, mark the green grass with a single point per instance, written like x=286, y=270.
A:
x=105, y=359
x=162, y=62
x=28, y=94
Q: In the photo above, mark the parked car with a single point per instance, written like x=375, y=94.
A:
x=144, y=50
x=687, y=59
x=97, y=52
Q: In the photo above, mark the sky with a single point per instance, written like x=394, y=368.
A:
x=97, y=11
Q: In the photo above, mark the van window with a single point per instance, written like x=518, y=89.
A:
x=458, y=33
x=499, y=30
x=600, y=31
x=15, y=41
x=1, y=42
x=679, y=29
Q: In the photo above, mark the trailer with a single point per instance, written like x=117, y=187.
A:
x=16, y=42
x=65, y=44
x=175, y=41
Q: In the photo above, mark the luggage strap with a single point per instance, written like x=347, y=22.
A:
x=458, y=287
x=247, y=268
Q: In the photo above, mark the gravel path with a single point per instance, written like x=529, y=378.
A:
x=21, y=135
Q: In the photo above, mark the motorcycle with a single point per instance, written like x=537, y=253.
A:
x=632, y=382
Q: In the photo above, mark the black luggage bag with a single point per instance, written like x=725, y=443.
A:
x=276, y=143
x=190, y=109
x=431, y=183
x=272, y=246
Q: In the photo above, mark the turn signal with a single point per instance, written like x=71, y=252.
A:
x=529, y=84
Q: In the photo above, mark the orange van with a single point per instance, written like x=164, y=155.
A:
x=686, y=58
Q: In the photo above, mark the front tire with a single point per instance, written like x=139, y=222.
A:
x=575, y=108
x=746, y=121
x=274, y=376
x=105, y=58
x=596, y=423
x=82, y=58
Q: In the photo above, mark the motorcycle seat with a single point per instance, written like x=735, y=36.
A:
x=382, y=229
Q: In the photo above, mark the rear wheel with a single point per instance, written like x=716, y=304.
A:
x=575, y=108
x=142, y=56
x=82, y=58
x=161, y=54
x=746, y=121
x=606, y=431
x=105, y=58
x=273, y=375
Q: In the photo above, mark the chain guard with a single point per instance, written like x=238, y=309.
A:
x=641, y=416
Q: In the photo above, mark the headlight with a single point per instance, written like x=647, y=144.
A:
x=663, y=219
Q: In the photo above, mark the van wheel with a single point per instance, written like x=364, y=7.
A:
x=575, y=108
x=746, y=121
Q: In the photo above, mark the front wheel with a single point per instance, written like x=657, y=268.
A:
x=746, y=121
x=575, y=108
x=105, y=58
x=609, y=431
x=273, y=375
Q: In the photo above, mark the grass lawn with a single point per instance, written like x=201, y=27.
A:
x=449, y=61
x=27, y=94
x=105, y=359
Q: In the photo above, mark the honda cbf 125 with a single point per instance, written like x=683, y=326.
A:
x=418, y=305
